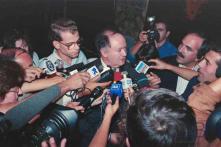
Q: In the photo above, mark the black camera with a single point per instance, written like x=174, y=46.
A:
x=152, y=32
x=88, y=100
x=149, y=50
x=58, y=122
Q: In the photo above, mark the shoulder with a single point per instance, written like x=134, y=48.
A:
x=82, y=58
x=170, y=60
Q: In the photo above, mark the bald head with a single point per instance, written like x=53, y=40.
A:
x=112, y=47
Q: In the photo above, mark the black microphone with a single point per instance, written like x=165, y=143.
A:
x=71, y=68
x=25, y=111
x=93, y=68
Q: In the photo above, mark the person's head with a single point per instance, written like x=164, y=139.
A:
x=112, y=48
x=17, y=39
x=209, y=64
x=11, y=79
x=160, y=118
x=188, y=49
x=65, y=38
x=21, y=56
x=163, y=29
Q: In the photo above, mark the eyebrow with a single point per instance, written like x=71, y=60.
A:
x=190, y=48
x=206, y=60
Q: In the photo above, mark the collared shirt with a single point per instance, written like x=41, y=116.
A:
x=181, y=83
x=57, y=61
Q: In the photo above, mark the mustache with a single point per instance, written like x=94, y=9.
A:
x=180, y=54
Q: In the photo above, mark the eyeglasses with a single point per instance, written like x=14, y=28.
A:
x=68, y=45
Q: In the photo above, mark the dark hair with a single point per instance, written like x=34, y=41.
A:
x=11, y=75
x=14, y=35
x=164, y=21
x=160, y=118
x=62, y=25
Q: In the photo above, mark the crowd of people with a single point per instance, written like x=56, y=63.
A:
x=166, y=107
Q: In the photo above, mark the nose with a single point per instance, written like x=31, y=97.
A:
x=201, y=64
x=124, y=52
x=181, y=48
x=76, y=46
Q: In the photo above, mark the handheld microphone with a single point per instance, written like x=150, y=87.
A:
x=126, y=82
x=138, y=78
x=116, y=88
x=94, y=68
x=142, y=67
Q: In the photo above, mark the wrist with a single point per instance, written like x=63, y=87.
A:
x=169, y=67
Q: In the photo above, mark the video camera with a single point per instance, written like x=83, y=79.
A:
x=149, y=50
x=56, y=121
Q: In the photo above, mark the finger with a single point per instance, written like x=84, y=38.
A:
x=63, y=142
x=104, y=84
x=52, y=142
x=116, y=104
x=109, y=100
x=44, y=144
x=79, y=108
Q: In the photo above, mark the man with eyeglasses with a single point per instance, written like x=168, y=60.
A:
x=65, y=39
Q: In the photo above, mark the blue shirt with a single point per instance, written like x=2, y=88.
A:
x=167, y=49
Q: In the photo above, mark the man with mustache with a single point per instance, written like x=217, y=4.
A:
x=190, y=50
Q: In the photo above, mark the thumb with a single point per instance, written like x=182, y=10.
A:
x=104, y=84
x=116, y=104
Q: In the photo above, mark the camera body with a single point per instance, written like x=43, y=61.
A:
x=149, y=50
x=152, y=32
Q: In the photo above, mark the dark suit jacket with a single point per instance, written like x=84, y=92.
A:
x=168, y=78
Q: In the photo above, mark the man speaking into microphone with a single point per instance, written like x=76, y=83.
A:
x=112, y=48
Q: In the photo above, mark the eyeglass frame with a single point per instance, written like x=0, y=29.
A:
x=68, y=45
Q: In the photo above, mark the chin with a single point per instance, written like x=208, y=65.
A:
x=74, y=56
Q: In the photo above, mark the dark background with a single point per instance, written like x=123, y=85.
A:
x=92, y=15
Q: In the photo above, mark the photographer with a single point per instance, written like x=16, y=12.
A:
x=164, y=47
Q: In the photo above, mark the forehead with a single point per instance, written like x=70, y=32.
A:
x=117, y=40
x=213, y=56
x=160, y=25
x=193, y=41
x=69, y=36
x=24, y=59
x=20, y=42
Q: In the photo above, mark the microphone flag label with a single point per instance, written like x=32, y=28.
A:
x=93, y=71
x=142, y=67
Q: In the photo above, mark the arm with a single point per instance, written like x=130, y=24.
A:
x=41, y=84
x=142, y=39
x=101, y=136
x=183, y=72
x=41, y=99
